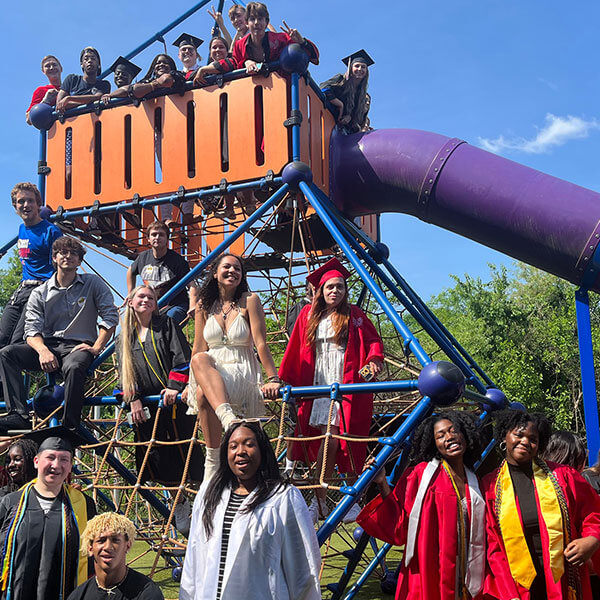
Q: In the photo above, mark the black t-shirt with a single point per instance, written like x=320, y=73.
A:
x=135, y=587
x=161, y=274
x=76, y=85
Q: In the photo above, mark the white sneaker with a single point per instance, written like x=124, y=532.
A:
x=314, y=511
x=352, y=514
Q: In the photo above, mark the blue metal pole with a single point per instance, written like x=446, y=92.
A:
x=295, y=113
x=420, y=411
x=410, y=339
x=588, y=372
x=159, y=35
x=199, y=268
x=42, y=166
x=4, y=249
x=378, y=558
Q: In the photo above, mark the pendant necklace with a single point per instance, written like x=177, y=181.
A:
x=224, y=313
x=110, y=591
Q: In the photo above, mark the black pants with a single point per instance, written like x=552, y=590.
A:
x=12, y=324
x=17, y=358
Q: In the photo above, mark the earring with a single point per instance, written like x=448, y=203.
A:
x=502, y=446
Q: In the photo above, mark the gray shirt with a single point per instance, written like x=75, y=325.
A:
x=71, y=313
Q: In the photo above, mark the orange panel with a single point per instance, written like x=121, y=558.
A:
x=55, y=182
x=207, y=137
x=113, y=154
x=83, y=161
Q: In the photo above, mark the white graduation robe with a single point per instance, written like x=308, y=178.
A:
x=273, y=551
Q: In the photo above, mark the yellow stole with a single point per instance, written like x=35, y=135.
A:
x=517, y=551
x=79, y=507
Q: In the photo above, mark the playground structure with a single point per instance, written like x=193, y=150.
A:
x=273, y=134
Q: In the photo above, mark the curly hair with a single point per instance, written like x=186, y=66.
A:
x=566, y=448
x=269, y=478
x=25, y=186
x=108, y=523
x=424, y=448
x=29, y=449
x=208, y=292
x=507, y=420
x=68, y=243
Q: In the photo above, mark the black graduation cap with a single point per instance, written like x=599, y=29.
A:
x=186, y=39
x=359, y=55
x=56, y=438
x=133, y=69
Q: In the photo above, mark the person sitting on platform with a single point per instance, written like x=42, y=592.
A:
x=40, y=525
x=261, y=46
x=188, y=45
x=153, y=356
x=107, y=539
x=86, y=88
x=160, y=268
x=230, y=324
x=348, y=92
x=61, y=333
x=52, y=69
x=19, y=464
x=125, y=72
x=34, y=246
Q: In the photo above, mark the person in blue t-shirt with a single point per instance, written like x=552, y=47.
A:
x=36, y=236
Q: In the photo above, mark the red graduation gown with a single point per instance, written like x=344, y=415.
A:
x=298, y=369
x=431, y=574
x=584, y=512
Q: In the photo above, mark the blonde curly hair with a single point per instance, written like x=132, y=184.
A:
x=107, y=523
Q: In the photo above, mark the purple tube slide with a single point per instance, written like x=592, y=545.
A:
x=533, y=217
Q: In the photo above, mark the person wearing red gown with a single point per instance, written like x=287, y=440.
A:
x=542, y=519
x=436, y=511
x=346, y=331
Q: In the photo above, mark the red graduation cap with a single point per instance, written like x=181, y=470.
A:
x=332, y=268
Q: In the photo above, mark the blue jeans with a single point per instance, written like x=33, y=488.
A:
x=177, y=313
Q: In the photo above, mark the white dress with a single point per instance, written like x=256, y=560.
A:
x=329, y=368
x=233, y=354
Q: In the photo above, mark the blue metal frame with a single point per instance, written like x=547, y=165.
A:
x=42, y=164
x=295, y=105
x=588, y=373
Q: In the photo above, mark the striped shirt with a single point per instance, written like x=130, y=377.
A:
x=235, y=501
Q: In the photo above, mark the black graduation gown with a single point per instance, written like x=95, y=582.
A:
x=338, y=87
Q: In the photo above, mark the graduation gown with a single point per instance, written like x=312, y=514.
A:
x=584, y=511
x=298, y=369
x=273, y=553
x=431, y=573
x=34, y=568
x=165, y=463
x=338, y=87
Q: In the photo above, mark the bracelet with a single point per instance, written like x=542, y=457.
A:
x=274, y=379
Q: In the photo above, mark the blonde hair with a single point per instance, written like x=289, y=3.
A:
x=109, y=523
x=126, y=339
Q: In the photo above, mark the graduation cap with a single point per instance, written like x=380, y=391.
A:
x=186, y=39
x=332, y=268
x=56, y=438
x=129, y=66
x=358, y=56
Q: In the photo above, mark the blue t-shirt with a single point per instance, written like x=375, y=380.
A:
x=35, y=249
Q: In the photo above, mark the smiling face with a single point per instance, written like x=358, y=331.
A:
x=334, y=291
x=143, y=301
x=27, y=207
x=359, y=70
x=52, y=69
x=243, y=454
x=66, y=260
x=218, y=50
x=449, y=441
x=188, y=55
x=16, y=465
x=522, y=444
x=162, y=66
x=90, y=63
x=229, y=272
x=122, y=76
x=109, y=550
x=53, y=467
x=238, y=20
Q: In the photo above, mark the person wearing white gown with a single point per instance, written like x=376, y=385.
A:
x=225, y=378
x=251, y=535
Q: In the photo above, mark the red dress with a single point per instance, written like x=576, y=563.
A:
x=584, y=511
x=298, y=369
x=431, y=574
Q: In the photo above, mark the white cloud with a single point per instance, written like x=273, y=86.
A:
x=556, y=132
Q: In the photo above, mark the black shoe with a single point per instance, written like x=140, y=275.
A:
x=14, y=420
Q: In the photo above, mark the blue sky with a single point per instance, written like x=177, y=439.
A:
x=517, y=78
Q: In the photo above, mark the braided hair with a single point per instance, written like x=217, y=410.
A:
x=423, y=445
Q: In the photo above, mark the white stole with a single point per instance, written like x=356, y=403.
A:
x=476, y=552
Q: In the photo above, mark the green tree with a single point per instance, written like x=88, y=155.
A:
x=9, y=278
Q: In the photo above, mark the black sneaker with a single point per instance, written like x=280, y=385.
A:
x=14, y=420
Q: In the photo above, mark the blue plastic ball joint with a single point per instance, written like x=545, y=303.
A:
x=357, y=533
x=46, y=212
x=42, y=116
x=518, y=406
x=293, y=59
x=442, y=381
x=295, y=172
x=496, y=400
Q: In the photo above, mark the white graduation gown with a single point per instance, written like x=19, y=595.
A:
x=273, y=551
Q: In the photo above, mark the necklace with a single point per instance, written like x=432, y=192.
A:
x=225, y=313
x=110, y=591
